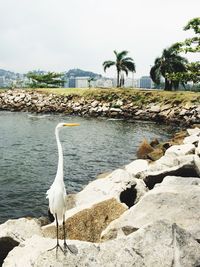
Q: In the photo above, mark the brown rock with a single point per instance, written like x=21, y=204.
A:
x=88, y=224
x=156, y=154
x=178, y=138
x=144, y=149
x=154, y=142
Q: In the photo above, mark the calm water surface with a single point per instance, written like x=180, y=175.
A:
x=28, y=155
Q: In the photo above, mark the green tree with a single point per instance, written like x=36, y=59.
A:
x=122, y=63
x=169, y=62
x=190, y=45
x=45, y=80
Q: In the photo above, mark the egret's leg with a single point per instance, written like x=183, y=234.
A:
x=70, y=248
x=57, y=245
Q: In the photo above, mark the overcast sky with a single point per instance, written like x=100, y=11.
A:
x=58, y=35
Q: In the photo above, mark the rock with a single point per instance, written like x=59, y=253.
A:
x=197, y=150
x=6, y=245
x=111, y=186
x=178, y=180
x=183, y=112
x=137, y=166
x=178, y=138
x=180, y=150
x=192, y=139
x=88, y=224
x=144, y=149
x=98, y=204
x=117, y=110
x=195, y=131
x=186, y=166
x=94, y=104
x=154, y=142
x=158, y=244
x=20, y=229
x=155, y=109
x=166, y=107
x=156, y=154
x=177, y=203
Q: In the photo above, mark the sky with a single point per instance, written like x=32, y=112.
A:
x=58, y=35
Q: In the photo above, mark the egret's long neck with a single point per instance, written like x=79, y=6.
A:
x=59, y=174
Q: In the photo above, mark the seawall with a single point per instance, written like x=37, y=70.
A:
x=112, y=105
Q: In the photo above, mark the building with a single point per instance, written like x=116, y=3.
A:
x=72, y=82
x=145, y=82
x=82, y=82
x=2, y=81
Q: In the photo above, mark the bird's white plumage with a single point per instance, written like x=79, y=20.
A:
x=57, y=192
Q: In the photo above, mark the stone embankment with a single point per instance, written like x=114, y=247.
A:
x=145, y=214
x=126, y=108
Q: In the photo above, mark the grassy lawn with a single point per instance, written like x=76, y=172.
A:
x=136, y=95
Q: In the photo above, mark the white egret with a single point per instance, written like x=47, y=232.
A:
x=57, y=192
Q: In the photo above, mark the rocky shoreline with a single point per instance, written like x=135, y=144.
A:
x=145, y=214
x=112, y=107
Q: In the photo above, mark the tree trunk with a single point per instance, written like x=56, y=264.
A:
x=168, y=85
x=118, y=72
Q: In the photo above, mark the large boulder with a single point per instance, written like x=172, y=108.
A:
x=88, y=224
x=177, y=202
x=180, y=150
x=109, y=187
x=187, y=166
x=99, y=203
x=158, y=244
x=20, y=229
x=12, y=232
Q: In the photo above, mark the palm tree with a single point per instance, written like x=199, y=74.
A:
x=170, y=62
x=122, y=63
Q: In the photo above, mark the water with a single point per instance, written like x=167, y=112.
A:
x=28, y=155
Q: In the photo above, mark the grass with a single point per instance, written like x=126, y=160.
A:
x=137, y=96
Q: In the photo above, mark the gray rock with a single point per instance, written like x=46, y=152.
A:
x=158, y=244
x=178, y=180
x=192, y=139
x=180, y=150
x=177, y=202
x=20, y=229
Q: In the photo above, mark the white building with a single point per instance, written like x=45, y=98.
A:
x=81, y=82
x=146, y=82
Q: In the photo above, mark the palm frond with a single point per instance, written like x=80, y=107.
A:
x=155, y=74
x=120, y=55
x=130, y=65
x=108, y=64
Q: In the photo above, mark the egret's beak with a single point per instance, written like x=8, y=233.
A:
x=71, y=124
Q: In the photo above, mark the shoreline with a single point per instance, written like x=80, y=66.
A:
x=109, y=105
x=123, y=210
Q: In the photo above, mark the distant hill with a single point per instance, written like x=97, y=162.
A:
x=7, y=74
x=82, y=73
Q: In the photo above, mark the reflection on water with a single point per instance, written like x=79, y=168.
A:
x=28, y=155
